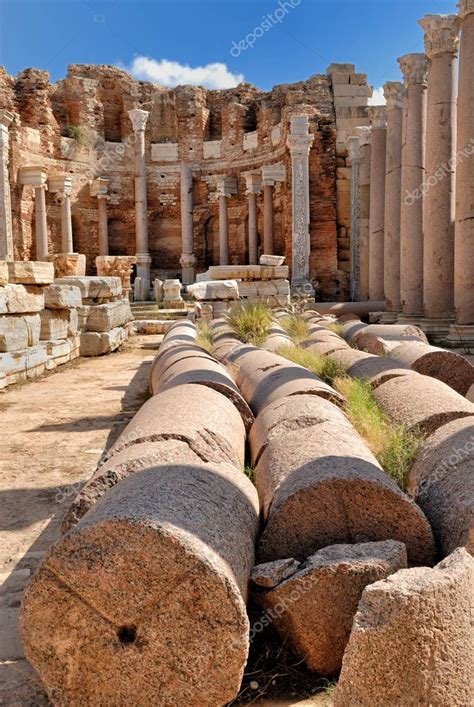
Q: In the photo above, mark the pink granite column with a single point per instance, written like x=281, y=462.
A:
x=364, y=134
x=268, y=216
x=223, y=231
x=414, y=68
x=441, y=46
x=464, y=229
x=377, y=116
x=393, y=91
x=253, y=183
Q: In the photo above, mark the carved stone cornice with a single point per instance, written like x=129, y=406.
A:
x=441, y=34
x=393, y=92
x=378, y=117
x=466, y=7
x=6, y=117
x=414, y=68
x=138, y=118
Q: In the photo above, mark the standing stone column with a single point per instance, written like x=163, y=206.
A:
x=414, y=68
x=98, y=188
x=188, y=259
x=378, y=117
x=62, y=185
x=6, y=230
x=268, y=185
x=138, y=118
x=365, y=135
x=36, y=177
x=354, y=154
x=464, y=229
x=299, y=142
x=253, y=183
x=226, y=186
x=441, y=46
x=393, y=91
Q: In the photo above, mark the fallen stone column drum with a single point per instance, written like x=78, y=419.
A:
x=381, y=339
x=442, y=483
x=143, y=602
x=412, y=641
x=320, y=485
x=368, y=367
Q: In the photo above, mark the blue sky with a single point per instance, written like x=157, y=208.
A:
x=215, y=42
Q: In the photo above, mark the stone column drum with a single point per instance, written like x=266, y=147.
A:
x=441, y=45
x=414, y=68
x=393, y=91
x=254, y=186
x=378, y=117
x=464, y=230
x=354, y=154
x=188, y=259
x=6, y=232
x=139, y=118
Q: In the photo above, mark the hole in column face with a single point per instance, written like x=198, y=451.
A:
x=127, y=634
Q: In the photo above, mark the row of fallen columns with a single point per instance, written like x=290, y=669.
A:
x=420, y=153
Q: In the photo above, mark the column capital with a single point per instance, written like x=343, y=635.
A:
x=6, y=117
x=414, y=68
x=60, y=183
x=299, y=140
x=441, y=34
x=188, y=260
x=466, y=7
x=378, y=117
x=226, y=186
x=98, y=187
x=33, y=176
x=272, y=173
x=253, y=182
x=138, y=118
x=353, y=147
x=393, y=92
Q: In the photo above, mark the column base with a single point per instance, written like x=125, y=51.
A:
x=405, y=318
x=143, y=272
x=461, y=336
x=389, y=317
x=436, y=329
x=188, y=265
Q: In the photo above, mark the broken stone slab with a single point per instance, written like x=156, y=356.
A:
x=69, y=265
x=18, y=299
x=382, y=339
x=100, y=343
x=215, y=290
x=320, y=485
x=270, y=574
x=3, y=273
x=105, y=317
x=272, y=260
x=412, y=641
x=116, y=467
x=314, y=607
x=207, y=372
x=248, y=272
x=442, y=483
x=447, y=366
x=30, y=272
x=152, y=326
x=94, y=287
x=58, y=323
x=182, y=536
x=62, y=297
x=62, y=351
x=421, y=403
x=19, y=331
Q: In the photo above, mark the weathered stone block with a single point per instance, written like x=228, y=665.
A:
x=58, y=296
x=94, y=287
x=3, y=273
x=17, y=299
x=69, y=264
x=215, y=290
x=18, y=331
x=58, y=323
x=30, y=272
x=272, y=260
x=105, y=317
x=99, y=343
x=24, y=364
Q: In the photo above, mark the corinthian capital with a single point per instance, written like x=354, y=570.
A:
x=393, y=92
x=441, y=34
x=466, y=7
x=138, y=118
x=414, y=68
x=378, y=117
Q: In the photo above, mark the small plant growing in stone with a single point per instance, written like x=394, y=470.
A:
x=335, y=327
x=324, y=367
x=204, y=337
x=296, y=328
x=251, y=322
x=77, y=133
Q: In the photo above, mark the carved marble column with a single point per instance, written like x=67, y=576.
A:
x=6, y=231
x=62, y=185
x=464, y=229
x=253, y=183
x=98, y=188
x=414, y=68
x=393, y=91
x=271, y=174
x=139, y=118
x=188, y=259
x=354, y=154
x=365, y=135
x=378, y=118
x=299, y=142
x=226, y=186
x=441, y=46
x=37, y=178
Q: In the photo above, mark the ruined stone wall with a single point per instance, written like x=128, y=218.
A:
x=80, y=126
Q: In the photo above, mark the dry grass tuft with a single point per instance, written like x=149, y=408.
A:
x=251, y=322
x=204, y=337
x=323, y=366
x=296, y=328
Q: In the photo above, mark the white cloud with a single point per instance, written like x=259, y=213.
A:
x=378, y=99
x=172, y=73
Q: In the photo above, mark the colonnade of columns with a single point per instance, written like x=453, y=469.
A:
x=421, y=234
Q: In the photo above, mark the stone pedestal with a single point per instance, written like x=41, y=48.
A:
x=117, y=266
x=354, y=154
x=393, y=91
x=377, y=115
x=139, y=118
x=6, y=232
x=37, y=177
x=299, y=142
x=441, y=44
x=364, y=134
x=464, y=229
x=188, y=259
x=254, y=185
x=62, y=185
x=414, y=68
x=99, y=188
